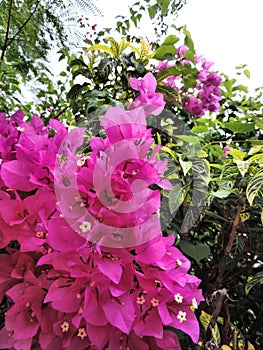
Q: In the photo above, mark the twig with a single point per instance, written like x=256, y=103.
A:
x=8, y=42
x=7, y=29
x=229, y=246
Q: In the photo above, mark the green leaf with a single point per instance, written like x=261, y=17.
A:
x=167, y=48
x=217, y=166
x=240, y=128
x=185, y=165
x=189, y=81
x=257, y=279
x=176, y=197
x=189, y=43
x=152, y=10
x=172, y=153
x=241, y=88
x=197, y=251
x=259, y=125
x=188, y=40
x=115, y=47
x=238, y=245
x=255, y=149
x=168, y=90
x=170, y=40
x=190, y=55
x=205, y=321
x=99, y=47
x=189, y=138
x=76, y=90
x=221, y=193
x=254, y=187
x=202, y=154
x=243, y=166
x=236, y=154
x=200, y=129
x=167, y=72
x=247, y=73
x=201, y=170
x=164, y=6
x=228, y=84
x=163, y=51
x=105, y=68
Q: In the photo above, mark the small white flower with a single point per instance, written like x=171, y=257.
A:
x=81, y=161
x=140, y=300
x=155, y=302
x=181, y=316
x=178, y=298
x=194, y=303
x=85, y=226
x=82, y=333
x=179, y=262
x=65, y=326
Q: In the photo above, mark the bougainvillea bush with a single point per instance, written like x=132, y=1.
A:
x=211, y=131
x=131, y=211
x=91, y=271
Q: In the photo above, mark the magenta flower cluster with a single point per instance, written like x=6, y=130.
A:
x=83, y=262
x=205, y=94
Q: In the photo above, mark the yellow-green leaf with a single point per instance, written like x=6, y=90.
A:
x=256, y=279
x=244, y=216
x=114, y=47
x=247, y=73
x=99, y=47
x=185, y=165
x=205, y=320
x=176, y=197
x=169, y=151
x=250, y=346
x=122, y=46
x=237, y=155
x=202, y=154
x=243, y=166
x=145, y=49
x=255, y=149
x=255, y=187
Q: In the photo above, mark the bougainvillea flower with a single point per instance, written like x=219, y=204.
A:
x=152, y=102
x=226, y=150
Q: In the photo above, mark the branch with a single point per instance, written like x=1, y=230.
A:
x=61, y=112
x=7, y=29
x=229, y=245
x=216, y=300
x=9, y=42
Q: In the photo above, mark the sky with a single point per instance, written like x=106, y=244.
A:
x=226, y=32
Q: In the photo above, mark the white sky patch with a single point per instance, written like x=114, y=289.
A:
x=227, y=32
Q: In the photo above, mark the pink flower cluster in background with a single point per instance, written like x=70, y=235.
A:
x=91, y=271
x=205, y=94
